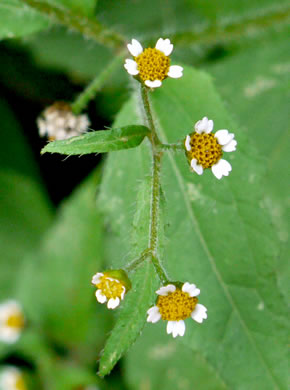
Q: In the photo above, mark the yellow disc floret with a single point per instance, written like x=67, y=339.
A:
x=176, y=306
x=20, y=384
x=15, y=320
x=152, y=64
x=111, y=288
x=205, y=149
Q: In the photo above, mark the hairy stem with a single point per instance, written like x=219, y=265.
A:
x=93, y=88
x=87, y=26
x=135, y=263
x=155, y=196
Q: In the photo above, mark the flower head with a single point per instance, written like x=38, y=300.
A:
x=152, y=66
x=11, y=321
x=12, y=379
x=205, y=149
x=57, y=122
x=111, y=287
x=174, y=305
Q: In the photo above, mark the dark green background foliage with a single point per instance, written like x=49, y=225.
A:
x=58, y=227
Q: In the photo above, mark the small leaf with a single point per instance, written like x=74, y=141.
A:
x=133, y=316
x=101, y=141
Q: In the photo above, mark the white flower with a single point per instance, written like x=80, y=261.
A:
x=152, y=65
x=12, y=379
x=11, y=321
x=205, y=149
x=175, y=305
x=111, y=287
x=57, y=122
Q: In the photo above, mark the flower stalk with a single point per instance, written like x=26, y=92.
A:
x=155, y=197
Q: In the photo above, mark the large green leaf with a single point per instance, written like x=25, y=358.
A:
x=101, y=141
x=219, y=237
x=159, y=362
x=259, y=100
x=17, y=20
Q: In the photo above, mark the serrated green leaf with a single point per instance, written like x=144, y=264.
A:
x=101, y=141
x=219, y=237
x=144, y=283
x=17, y=20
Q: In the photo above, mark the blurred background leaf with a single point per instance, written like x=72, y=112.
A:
x=18, y=20
x=25, y=210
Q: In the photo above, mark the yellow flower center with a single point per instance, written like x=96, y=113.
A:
x=20, y=384
x=205, y=149
x=111, y=288
x=152, y=64
x=15, y=321
x=176, y=306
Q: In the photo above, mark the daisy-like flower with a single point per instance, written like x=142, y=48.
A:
x=205, y=149
x=11, y=321
x=57, y=122
x=174, y=305
x=12, y=379
x=152, y=66
x=111, y=287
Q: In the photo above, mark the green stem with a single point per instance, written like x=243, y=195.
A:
x=175, y=147
x=155, y=197
x=75, y=21
x=135, y=263
x=145, y=99
x=93, y=88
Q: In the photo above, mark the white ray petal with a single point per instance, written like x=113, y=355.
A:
x=175, y=71
x=153, y=84
x=123, y=293
x=135, y=48
x=221, y=168
x=191, y=289
x=177, y=328
x=224, y=137
x=113, y=303
x=97, y=278
x=164, y=45
x=170, y=326
x=131, y=67
x=100, y=296
x=230, y=147
x=165, y=290
x=187, y=143
x=204, y=125
x=9, y=335
x=199, y=313
x=153, y=314
x=196, y=167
